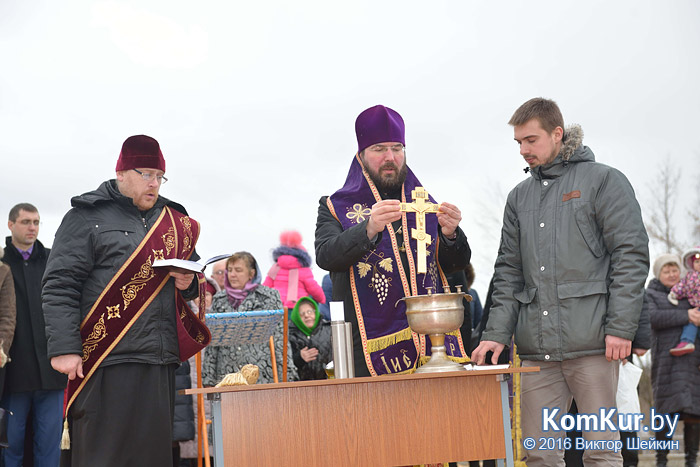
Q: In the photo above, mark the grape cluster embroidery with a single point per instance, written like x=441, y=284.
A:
x=380, y=283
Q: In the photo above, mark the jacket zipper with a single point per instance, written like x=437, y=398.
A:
x=160, y=334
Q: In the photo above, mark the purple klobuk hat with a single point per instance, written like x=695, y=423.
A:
x=379, y=124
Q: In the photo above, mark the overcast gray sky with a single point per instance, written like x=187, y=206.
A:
x=254, y=103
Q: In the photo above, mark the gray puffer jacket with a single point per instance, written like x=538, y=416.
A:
x=572, y=261
x=92, y=243
x=220, y=361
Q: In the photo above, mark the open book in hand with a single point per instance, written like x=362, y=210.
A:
x=184, y=265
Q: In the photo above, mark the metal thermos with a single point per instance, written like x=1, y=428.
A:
x=341, y=335
x=350, y=352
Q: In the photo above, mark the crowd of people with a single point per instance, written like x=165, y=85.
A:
x=96, y=338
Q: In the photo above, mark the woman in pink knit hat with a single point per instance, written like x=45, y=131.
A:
x=291, y=274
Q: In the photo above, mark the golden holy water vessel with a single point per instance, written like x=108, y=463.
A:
x=435, y=315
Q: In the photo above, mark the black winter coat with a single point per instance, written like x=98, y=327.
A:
x=183, y=422
x=459, y=278
x=642, y=339
x=675, y=380
x=29, y=368
x=93, y=242
x=320, y=339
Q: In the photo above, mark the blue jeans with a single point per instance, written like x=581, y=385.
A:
x=690, y=331
x=47, y=423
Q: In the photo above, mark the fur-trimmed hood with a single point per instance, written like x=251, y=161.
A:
x=572, y=150
x=298, y=253
x=573, y=138
x=213, y=284
x=689, y=257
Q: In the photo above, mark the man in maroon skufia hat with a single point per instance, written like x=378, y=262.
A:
x=365, y=241
x=112, y=319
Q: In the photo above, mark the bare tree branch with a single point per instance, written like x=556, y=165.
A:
x=661, y=227
x=694, y=212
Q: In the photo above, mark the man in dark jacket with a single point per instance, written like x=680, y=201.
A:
x=568, y=280
x=32, y=386
x=371, y=248
x=111, y=317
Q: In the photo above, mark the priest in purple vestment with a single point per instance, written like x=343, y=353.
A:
x=365, y=241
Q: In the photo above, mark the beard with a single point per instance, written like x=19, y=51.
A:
x=390, y=182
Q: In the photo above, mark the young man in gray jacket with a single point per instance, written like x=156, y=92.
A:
x=568, y=283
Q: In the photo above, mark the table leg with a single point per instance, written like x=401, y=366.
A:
x=505, y=409
x=217, y=430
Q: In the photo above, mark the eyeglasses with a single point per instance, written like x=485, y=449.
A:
x=381, y=149
x=148, y=176
x=218, y=273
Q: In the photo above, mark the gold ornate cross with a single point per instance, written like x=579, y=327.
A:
x=421, y=205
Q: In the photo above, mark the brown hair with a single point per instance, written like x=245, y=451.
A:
x=546, y=111
x=14, y=212
x=244, y=256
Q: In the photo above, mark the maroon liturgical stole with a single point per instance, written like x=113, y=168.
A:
x=131, y=291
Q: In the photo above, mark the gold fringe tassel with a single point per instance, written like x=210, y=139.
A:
x=517, y=412
x=405, y=372
x=381, y=343
x=464, y=359
x=65, y=439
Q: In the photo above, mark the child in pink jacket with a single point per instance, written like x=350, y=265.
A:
x=291, y=274
x=688, y=287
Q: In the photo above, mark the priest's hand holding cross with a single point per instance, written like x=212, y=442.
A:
x=448, y=217
x=389, y=210
x=384, y=212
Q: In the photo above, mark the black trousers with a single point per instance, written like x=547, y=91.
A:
x=124, y=417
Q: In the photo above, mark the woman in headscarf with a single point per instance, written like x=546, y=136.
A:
x=243, y=292
x=675, y=380
x=310, y=336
